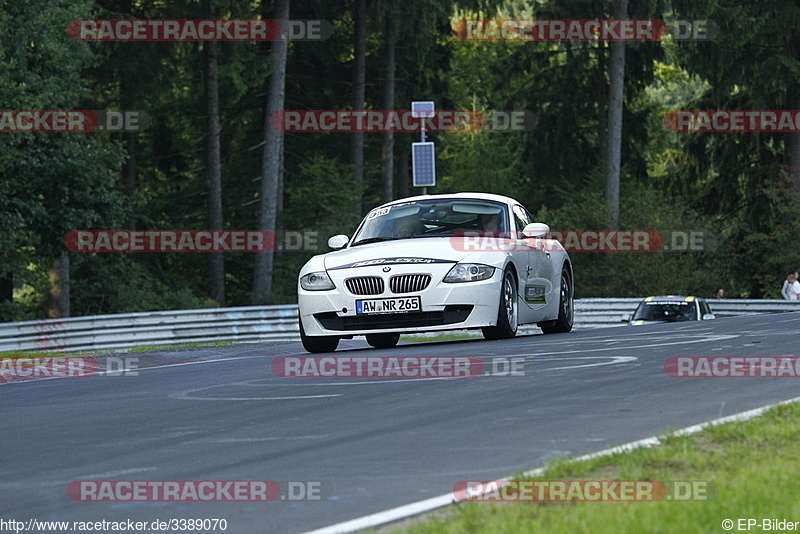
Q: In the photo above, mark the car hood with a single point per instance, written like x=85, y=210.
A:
x=403, y=251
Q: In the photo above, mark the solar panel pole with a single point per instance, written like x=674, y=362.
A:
x=422, y=140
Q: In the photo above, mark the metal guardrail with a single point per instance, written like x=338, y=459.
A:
x=269, y=323
x=124, y=331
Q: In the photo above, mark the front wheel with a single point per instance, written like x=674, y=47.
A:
x=318, y=343
x=566, y=308
x=383, y=341
x=507, y=313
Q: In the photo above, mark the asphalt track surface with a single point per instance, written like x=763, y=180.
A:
x=221, y=414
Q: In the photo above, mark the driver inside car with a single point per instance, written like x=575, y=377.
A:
x=408, y=227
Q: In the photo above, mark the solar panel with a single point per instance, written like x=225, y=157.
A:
x=422, y=109
x=423, y=162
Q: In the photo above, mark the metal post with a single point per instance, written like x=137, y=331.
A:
x=422, y=138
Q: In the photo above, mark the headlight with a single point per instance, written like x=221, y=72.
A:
x=318, y=281
x=468, y=272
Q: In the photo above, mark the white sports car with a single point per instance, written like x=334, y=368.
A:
x=436, y=262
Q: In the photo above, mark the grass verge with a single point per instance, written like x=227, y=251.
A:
x=751, y=470
x=139, y=348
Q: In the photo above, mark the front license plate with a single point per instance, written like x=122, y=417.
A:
x=395, y=305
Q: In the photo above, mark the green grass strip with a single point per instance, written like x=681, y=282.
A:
x=751, y=470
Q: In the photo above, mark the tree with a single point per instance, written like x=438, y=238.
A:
x=271, y=160
x=359, y=89
x=50, y=183
x=214, y=169
x=388, y=104
x=616, y=104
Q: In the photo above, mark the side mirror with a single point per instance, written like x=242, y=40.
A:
x=707, y=316
x=627, y=318
x=338, y=241
x=536, y=230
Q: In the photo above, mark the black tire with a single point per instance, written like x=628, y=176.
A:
x=383, y=341
x=566, y=307
x=507, y=312
x=318, y=343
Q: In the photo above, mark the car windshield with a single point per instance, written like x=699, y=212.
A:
x=431, y=218
x=665, y=311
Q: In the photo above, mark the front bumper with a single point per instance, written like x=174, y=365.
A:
x=445, y=306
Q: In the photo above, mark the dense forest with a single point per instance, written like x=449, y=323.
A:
x=210, y=159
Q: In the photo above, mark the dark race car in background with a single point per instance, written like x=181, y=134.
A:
x=670, y=309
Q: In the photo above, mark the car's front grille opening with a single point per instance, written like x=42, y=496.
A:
x=409, y=283
x=365, y=285
x=450, y=315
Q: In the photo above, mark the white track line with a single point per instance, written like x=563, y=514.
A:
x=419, y=507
